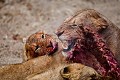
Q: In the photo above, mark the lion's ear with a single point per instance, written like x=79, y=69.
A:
x=100, y=23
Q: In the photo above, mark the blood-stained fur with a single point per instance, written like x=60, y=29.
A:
x=87, y=38
x=39, y=44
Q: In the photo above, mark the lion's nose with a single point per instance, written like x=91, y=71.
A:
x=59, y=33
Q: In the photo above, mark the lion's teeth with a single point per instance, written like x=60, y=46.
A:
x=65, y=46
x=64, y=54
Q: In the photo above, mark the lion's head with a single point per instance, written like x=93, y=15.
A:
x=83, y=44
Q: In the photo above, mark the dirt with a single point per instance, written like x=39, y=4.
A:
x=25, y=17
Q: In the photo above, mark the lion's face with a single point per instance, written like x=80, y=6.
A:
x=68, y=35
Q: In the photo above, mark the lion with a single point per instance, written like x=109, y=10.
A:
x=109, y=31
x=91, y=39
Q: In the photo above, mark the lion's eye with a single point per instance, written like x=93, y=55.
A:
x=43, y=36
x=74, y=26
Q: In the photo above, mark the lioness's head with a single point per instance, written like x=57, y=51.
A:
x=82, y=42
x=69, y=36
x=39, y=44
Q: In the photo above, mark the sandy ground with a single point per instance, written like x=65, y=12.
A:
x=22, y=18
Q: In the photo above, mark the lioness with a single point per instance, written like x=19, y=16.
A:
x=87, y=37
x=39, y=44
